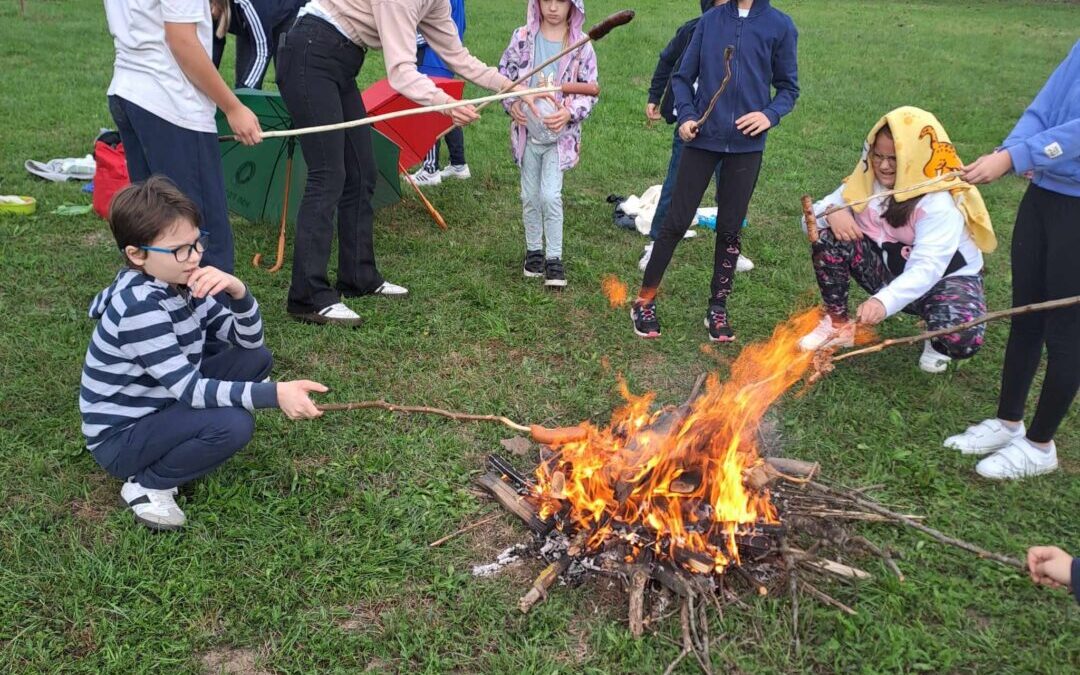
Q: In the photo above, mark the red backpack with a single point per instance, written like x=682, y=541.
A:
x=111, y=173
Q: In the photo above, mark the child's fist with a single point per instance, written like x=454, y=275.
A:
x=294, y=401
x=206, y=281
x=688, y=131
x=1049, y=566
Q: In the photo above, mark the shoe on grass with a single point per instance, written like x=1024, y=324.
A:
x=828, y=335
x=458, y=171
x=716, y=322
x=554, y=273
x=534, y=264
x=1018, y=459
x=337, y=313
x=985, y=437
x=389, y=290
x=646, y=325
x=155, y=509
x=932, y=361
x=743, y=264
x=427, y=178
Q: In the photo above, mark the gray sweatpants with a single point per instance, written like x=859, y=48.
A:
x=541, y=198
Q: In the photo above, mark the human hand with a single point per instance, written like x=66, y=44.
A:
x=532, y=99
x=988, y=168
x=556, y=121
x=752, y=124
x=294, y=401
x=1049, y=566
x=463, y=115
x=871, y=312
x=517, y=112
x=843, y=226
x=652, y=112
x=688, y=130
x=245, y=125
x=206, y=281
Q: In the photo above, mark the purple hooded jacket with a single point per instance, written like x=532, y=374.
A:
x=578, y=66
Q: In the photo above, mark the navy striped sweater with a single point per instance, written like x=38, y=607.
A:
x=145, y=354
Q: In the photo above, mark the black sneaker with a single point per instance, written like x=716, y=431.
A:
x=554, y=275
x=534, y=264
x=646, y=325
x=716, y=320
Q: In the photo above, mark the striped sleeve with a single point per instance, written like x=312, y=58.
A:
x=145, y=335
x=240, y=325
x=259, y=44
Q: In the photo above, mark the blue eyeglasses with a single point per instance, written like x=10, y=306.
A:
x=183, y=253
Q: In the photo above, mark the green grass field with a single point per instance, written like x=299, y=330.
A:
x=309, y=551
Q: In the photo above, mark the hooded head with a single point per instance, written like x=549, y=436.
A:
x=575, y=17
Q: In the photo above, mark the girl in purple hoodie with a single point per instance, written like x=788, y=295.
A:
x=544, y=147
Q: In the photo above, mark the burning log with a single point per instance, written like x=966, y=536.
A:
x=551, y=573
x=638, y=578
x=515, y=503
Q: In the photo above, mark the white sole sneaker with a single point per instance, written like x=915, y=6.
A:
x=1018, y=459
x=459, y=174
x=932, y=361
x=425, y=179
x=984, y=438
x=155, y=509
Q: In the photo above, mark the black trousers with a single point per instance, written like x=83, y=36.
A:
x=735, y=181
x=1045, y=247
x=316, y=74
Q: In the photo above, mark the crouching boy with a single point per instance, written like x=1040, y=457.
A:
x=171, y=374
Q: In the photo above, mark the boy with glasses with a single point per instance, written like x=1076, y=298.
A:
x=157, y=408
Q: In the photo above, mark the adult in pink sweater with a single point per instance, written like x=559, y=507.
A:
x=318, y=62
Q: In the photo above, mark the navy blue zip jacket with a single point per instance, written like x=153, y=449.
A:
x=659, y=89
x=765, y=58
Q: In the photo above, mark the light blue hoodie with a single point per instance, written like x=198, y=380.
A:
x=1046, y=140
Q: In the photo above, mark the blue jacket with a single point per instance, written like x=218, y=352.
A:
x=1046, y=140
x=765, y=58
x=660, y=88
x=427, y=61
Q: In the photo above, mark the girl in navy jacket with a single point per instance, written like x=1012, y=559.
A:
x=731, y=138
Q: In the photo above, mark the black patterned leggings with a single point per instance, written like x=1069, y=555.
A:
x=951, y=301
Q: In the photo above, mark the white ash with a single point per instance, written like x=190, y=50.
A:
x=504, y=559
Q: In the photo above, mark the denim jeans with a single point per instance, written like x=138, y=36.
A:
x=176, y=445
x=317, y=69
x=541, y=198
x=190, y=159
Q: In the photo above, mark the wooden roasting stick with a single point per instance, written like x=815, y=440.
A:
x=570, y=88
x=540, y=434
x=595, y=33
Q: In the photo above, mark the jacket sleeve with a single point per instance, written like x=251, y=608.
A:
x=508, y=65
x=937, y=238
x=1033, y=143
x=240, y=325
x=581, y=106
x=259, y=43
x=834, y=199
x=1074, y=577
x=785, y=68
x=664, y=67
x=682, y=82
x=149, y=340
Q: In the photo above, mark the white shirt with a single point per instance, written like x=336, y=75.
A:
x=935, y=233
x=145, y=71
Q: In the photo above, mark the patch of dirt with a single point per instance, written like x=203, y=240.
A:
x=97, y=506
x=365, y=617
x=307, y=463
x=981, y=621
x=231, y=661
x=97, y=238
x=80, y=641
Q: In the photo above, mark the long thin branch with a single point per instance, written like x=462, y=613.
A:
x=826, y=598
x=935, y=534
x=992, y=316
x=408, y=409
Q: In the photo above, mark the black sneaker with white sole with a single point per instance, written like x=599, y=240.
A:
x=716, y=321
x=554, y=274
x=646, y=325
x=534, y=264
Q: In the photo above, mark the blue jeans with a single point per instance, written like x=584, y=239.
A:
x=176, y=445
x=669, y=185
x=541, y=198
x=190, y=159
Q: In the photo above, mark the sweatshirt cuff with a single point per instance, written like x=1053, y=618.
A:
x=244, y=304
x=1021, y=158
x=889, y=299
x=264, y=395
x=1074, y=578
x=774, y=119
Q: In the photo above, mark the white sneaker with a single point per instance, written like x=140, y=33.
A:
x=1018, y=459
x=644, y=262
x=985, y=437
x=155, y=509
x=744, y=264
x=460, y=172
x=826, y=335
x=933, y=361
x=428, y=178
x=389, y=290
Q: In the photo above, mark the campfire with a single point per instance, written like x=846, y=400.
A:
x=682, y=506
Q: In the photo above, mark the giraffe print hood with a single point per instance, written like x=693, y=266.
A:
x=923, y=153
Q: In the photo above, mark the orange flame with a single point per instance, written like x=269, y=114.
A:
x=672, y=480
x=614, y=290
